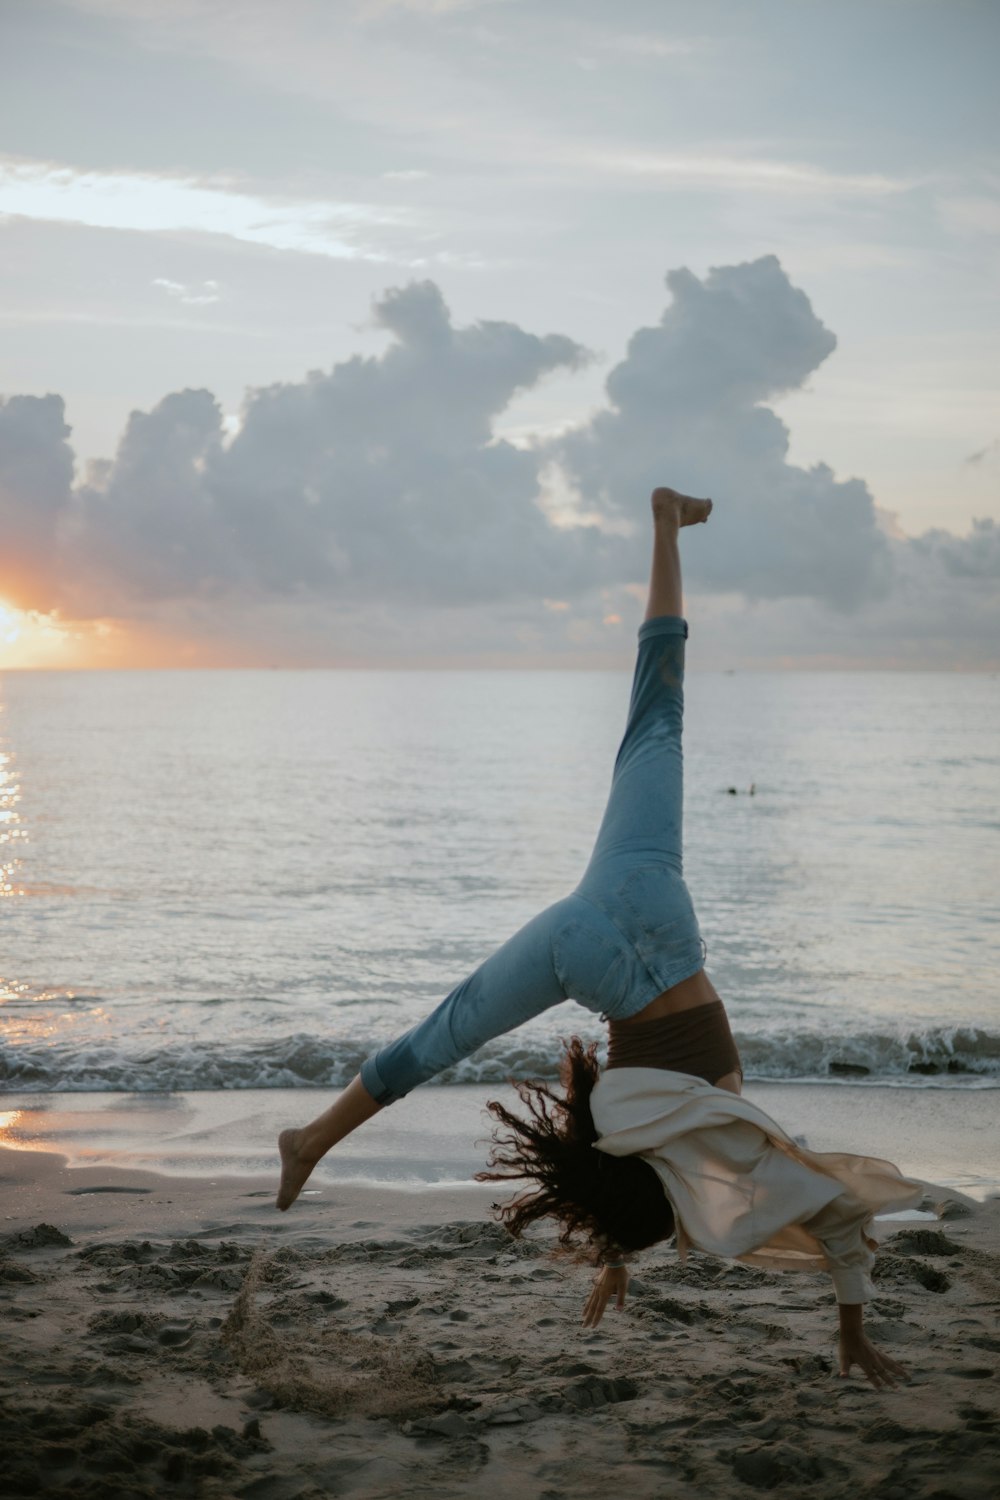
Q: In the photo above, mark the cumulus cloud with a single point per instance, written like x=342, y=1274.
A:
x=380, y=479
x=384, y=475
x=687, y=401
x=377, y=491
x=36, y=477
x=976, y=556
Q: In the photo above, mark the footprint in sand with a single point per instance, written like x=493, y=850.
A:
x=925, y=1242
x=977, y=1418
x=175, y=1335
x=85, y=1192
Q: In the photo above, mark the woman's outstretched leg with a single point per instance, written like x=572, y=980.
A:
x=301, y=1149
x=516, y=983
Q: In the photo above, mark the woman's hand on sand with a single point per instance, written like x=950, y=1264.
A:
x=612, y=1281
x=858, y=1349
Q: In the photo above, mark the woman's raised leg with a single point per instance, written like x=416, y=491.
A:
x=645, y=810
x=671, y=511
x=644, y=814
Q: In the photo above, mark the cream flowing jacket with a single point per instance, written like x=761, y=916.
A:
x=740, y=1187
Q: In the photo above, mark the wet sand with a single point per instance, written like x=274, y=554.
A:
x=176, y=1335
x=439, y=1134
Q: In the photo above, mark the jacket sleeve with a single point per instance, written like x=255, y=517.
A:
x=840, y=1230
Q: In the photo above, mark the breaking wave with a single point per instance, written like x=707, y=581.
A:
x=938, y=1056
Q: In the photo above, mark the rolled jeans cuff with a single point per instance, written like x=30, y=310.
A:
x=663, y=625
x=372, y=1081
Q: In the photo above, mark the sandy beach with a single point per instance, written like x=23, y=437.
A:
x=171, y=1334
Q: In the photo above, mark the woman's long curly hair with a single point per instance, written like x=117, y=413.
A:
x=616, y=1203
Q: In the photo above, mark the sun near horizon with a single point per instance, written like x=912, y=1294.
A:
x=31, y=639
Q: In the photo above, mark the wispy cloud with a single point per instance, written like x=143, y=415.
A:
x=735, y=173
x=372, y=9
x=649, y=45
x=194, y=296
x=157, y=204
x=972, y=213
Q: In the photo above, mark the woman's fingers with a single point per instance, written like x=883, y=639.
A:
x=890, y=1368
x=869, y=1371
x=611, y=1283
x=875, y=1374
x=594, y=1310
x=879, y=1368
x=878, y=1375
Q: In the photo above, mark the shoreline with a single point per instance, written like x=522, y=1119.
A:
x=438, y=1137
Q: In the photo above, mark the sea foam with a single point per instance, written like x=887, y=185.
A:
x=941, y=1057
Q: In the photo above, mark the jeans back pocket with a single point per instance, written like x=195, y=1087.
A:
x=593, y=968
x=659, y=909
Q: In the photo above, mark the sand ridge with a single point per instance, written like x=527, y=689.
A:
x=374, y=1356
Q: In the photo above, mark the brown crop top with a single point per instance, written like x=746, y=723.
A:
x=696, y=1041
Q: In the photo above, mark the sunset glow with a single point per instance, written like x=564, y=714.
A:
x=33, y=639
x=10, y=625
x=30, y=639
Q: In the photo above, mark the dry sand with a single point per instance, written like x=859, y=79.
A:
x=168, y=1336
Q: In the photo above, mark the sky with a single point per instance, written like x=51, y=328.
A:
x=356, y=332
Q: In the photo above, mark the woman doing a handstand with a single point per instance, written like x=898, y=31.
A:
x=678, y=1151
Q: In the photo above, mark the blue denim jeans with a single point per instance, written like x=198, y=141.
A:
x=627, y=932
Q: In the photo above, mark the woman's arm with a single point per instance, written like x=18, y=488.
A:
x=840, y=1229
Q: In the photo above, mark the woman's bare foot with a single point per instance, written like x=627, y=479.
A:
x=295, y=1169
x=683, y=510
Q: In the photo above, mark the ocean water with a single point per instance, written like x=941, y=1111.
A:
x=226, y=880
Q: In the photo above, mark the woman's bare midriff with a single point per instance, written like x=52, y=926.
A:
x=697, y=990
